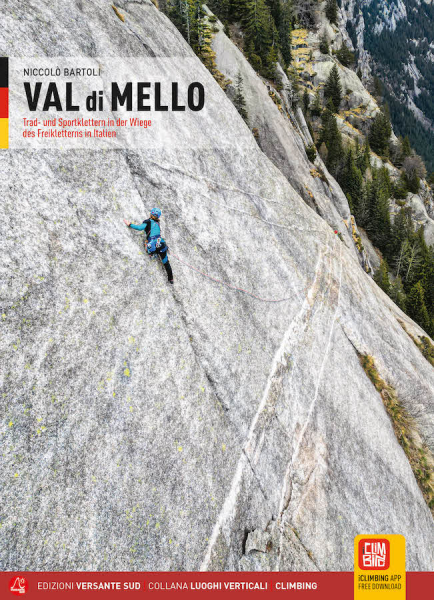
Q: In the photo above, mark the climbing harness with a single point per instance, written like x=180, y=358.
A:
x=154, y=243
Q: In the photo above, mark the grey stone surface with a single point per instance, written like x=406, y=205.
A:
x=281, y=142
x=148, y=428
x=372, y=253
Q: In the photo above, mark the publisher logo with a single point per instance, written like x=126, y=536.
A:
x=374, y=554
x=18, y=585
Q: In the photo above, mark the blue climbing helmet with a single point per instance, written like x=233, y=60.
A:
x=156, y=213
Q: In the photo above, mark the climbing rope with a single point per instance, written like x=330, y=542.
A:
x=228, y=285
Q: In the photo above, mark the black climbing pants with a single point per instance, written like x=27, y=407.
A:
x=164, y=259
x=168, y=270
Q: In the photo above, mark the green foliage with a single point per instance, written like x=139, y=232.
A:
x=390, y=51
x=351, y=180
x=311, y=153
x=254, y=59
x=259, y=28
x=345, y=56
x=413, y=168
x=266, y=26
x=381, y=277
x=397, y=293
x=331, y=11
x=378, y=194
x=412, y=261
x=271, y=63
x=315, y=109
x=379, y=134
x=417, y=308
x=400, y=188
x=363, y=158
x=378, y=87
x=405, y=148
x=427, y=349
x=191, y=20
x=402, y=229
x=333, y=89
x=305, y=101
x=284, y=26
x=324, y=45
x=331, y=137
x=404, y=429
x=239, y=100
x=413, y=183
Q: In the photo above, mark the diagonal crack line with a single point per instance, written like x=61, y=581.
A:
x=344, y=330
x=256, y=477
x=312, y=405
x=211, y=381
x=135, y=174
x=308, y=552
x=321, y=371
x=209, y=378
x=144, y=44
x=230, y=501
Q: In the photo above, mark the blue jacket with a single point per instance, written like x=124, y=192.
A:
x=151, y=228
x=153, y=232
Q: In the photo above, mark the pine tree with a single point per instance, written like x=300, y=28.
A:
x=429, y=288
x=401, y=257
x=417, y=308
x=182, y=14
x=345, y=56
x=285, y=28
x=333, y=140
x=405, y=149
x=378, y=87
x=379, y=215
x=254, y=59
x=379, y=134
x=381, y=277
x=412, y=264
x=238, y=9
x=351, y=180
x=363, y=158
x=257, y=25
x=401, y=230
x=331, y=11
x=362, y=209
x=239, y=100
x=271, y=64
x=400, y=188
x=333, y=88
x=306, y=101
x=222, y=9
x=324, y=44
x=413, y=182
x=315, y=109
x=397, y=293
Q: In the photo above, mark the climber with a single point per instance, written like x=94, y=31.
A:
x=155, y=244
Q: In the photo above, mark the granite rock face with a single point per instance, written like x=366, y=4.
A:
x=146, y=427
x=283, y=136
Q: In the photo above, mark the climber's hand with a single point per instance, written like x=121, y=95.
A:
x=127, y=223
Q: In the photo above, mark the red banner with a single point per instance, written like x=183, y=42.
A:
x=118, y=585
